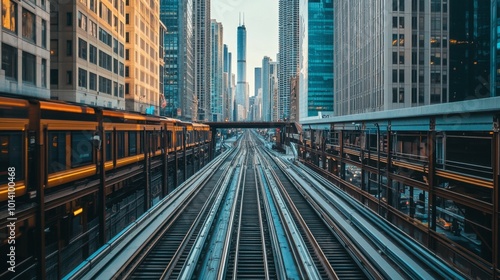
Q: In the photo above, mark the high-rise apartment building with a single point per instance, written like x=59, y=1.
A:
x=202, y=46
x=274, y=90
x=180, y=95
x=24, y=47
x=401, y=54
x=87, y=52
x=228, y=84
x=266, y=89
x=288, y=56
x=142, y=56
x=241, y=65
x=217, y=66
x=315, y=80
x=257, y=80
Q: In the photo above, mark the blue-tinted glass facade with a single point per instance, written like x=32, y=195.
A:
x=320, y=57
x=470, y=39
x=179, y=80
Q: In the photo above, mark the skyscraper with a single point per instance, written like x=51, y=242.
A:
x=257, y=80
x=142, y=61
x=202, y=46
x=241, y=64
x=228, y=85
x=288, y=57
x=177, y=16
x=413, y=53
x=217, y=66
x=315, y=81
x=266, y=89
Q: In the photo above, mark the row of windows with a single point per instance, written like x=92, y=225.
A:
x=104, y=58
x=28, y=67
x=437, y=95
x=28, y=31
x=104, y=83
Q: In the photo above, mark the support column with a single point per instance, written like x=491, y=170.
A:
x=496, y=198
x=164, y=144
x=147, y=151
x=38, y=178
x=431, y=207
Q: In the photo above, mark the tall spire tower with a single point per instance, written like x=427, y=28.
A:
x=241, y=86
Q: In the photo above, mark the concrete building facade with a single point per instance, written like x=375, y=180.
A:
x=25, y=42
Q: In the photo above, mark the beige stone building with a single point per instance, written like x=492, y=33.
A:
x=143, y=56
x=87, y=52
x=24, y=39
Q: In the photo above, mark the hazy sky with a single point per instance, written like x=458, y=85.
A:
x=261, y=22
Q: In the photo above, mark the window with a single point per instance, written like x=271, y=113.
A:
x=93, y=6
x=9, y=61
x=105, y=60
x=82, y=49
x=54, y=47
x=127, y=54
x=69, y=19
x=394, y=22
x=82, y=78
x=69, y=77
x=120, y=49
x=69, y=47
x=82, y=21
x=115, y=66
x=93, y=54
x=115, y=88
x=127, y=37
x=121, y=67
x=401, y=76
x=29, y=25
x=57, y=151
x=11, y=155
x=82, y=147
x=105, y=37
x=394, y=95
x=127, y=19
x=121, y=91
x=43, y=71
x=9, y=15
x=402, y=5
x=115, y=45
x=401, y=22
x=44, y=34
x=132, y=143
x=401, y=57
x=29, y=68
x=401, y=95
x=93, y=29
x=92, y=81
x=54, y=76
x=127, y=71
x=394, y=76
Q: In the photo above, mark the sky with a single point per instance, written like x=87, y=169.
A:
x=261, y=22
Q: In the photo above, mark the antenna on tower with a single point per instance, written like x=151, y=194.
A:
x=239, y=21
x=243, y=18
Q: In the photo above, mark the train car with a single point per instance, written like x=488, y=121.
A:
x=13, y=147
x=96, y=169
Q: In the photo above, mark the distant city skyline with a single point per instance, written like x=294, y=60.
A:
x=261, y=21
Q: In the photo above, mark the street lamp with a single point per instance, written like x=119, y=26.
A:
x=378, y=166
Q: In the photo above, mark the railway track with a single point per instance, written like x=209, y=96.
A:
x=251, y=254
x=330, y=257
x=165, y=253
